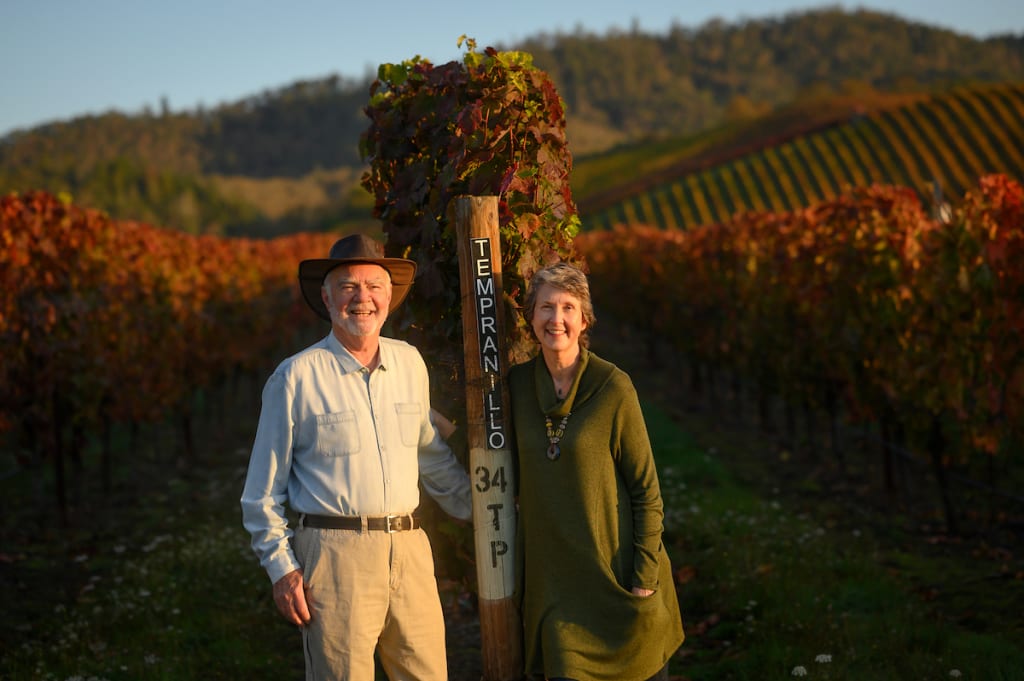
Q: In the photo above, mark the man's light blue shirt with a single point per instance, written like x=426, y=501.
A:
x=337, y=439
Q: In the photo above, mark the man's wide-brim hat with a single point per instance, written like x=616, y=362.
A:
x=353, y=249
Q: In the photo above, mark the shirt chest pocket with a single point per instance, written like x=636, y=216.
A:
x=337, y=434
x=408, y=422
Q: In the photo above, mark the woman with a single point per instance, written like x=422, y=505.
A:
x=596, y=590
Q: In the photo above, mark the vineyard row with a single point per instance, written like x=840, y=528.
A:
x=862, y=305
x=104, y=320
x=936, y=147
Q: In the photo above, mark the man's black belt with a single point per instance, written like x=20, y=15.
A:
x=388, y=523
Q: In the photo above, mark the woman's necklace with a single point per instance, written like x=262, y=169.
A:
x=555, y=436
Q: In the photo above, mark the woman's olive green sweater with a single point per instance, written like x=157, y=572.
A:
x=590, y=529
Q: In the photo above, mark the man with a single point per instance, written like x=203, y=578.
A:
x=344, y=438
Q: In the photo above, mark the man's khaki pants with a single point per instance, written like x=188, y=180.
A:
x=371, y=590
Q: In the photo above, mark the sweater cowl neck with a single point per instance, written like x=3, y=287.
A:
x=590, y=376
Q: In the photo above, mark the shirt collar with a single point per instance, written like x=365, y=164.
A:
x=349, y=363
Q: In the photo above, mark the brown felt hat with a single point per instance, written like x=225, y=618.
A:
x=355, y=248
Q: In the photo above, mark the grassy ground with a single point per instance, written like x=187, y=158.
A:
x=156, y=581
x=769, y=589
x=776, y=579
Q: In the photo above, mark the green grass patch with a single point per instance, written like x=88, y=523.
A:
x=769, y=592
x=157, y=582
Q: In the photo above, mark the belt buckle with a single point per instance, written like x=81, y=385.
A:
x=391, y=523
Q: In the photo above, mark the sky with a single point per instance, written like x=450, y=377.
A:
x=60, y=59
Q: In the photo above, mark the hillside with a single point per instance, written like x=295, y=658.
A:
x=287, y=158
x=938, y=145
x=687, y=80
x=276, y=162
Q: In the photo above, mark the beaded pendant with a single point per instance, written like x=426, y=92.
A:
x=555, y=436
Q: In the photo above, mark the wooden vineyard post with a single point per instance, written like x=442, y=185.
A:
x=491, y=467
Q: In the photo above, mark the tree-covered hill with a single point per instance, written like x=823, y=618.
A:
x=687, y=80
x=276, y=162
x=287, y=159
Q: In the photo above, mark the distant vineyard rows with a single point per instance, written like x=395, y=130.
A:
x=945, y=143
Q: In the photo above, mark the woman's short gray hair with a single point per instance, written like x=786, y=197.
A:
x=570, y=279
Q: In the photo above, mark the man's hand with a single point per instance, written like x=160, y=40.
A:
x=638, y=591
x=291, y=598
